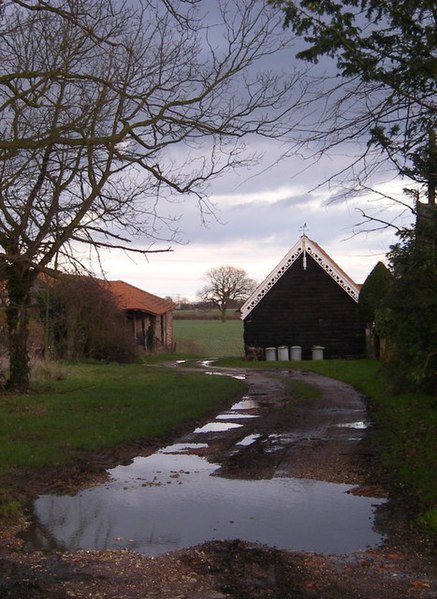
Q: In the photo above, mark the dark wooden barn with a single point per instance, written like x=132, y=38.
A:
x=306, y=301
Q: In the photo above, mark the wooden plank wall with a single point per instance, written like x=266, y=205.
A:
x=307, y=308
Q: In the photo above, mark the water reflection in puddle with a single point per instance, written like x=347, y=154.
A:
x=183, y=447
x=245, y=404
x=239, y=377
x=357, y=425
x=217, y=427
x=207, y=363
x=233, y=416
x=248, y=440
x=169, y=501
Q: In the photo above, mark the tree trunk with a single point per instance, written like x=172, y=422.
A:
x=19, y=286
x=432, y=167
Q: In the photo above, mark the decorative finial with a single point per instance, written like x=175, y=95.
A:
x=304, y=229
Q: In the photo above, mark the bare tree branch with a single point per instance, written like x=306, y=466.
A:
x=108, y=109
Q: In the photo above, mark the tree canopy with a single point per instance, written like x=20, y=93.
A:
x=385, y=54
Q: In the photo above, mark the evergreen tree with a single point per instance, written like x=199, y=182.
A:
x=372, y=294
x=409, y=315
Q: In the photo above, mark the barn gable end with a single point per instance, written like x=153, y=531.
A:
x=306, y=300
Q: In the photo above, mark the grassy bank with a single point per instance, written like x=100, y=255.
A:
x=209, y=337
x=99, y=406
x=407, y=424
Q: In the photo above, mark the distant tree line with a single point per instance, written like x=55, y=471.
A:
x=205, y=311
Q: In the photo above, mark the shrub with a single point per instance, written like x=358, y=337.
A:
x=85, y=322
x=408, y=317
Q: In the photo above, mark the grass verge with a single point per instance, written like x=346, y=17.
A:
x=302, y=390
x=407, y=424
x=98, y=406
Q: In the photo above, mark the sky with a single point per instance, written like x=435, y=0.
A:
x=259, y=214
x=256, y=222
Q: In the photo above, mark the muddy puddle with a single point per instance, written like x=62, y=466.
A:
x=177, y=498
x=169, y=501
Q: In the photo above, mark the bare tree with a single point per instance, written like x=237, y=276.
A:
x=106, y=109
x=226, y=284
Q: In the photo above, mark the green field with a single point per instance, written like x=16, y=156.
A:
x=209, y=338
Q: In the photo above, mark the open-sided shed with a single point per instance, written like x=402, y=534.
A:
x=151, y=317
x=307, y=300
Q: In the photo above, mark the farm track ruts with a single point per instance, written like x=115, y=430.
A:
x=404, y=567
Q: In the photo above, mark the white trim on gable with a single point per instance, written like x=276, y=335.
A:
x=306, y=246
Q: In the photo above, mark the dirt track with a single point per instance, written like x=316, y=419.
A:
x=318, y=447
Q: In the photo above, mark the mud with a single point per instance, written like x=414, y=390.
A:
x=327, y=439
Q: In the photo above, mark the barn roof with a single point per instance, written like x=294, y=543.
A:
x=129, y=297
x=305, y=246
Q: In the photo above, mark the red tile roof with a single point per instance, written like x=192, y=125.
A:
x=129, y=297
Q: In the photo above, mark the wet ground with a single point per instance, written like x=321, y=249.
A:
x=202, y=489
x=270, y=470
